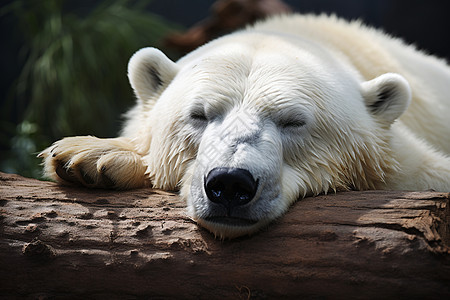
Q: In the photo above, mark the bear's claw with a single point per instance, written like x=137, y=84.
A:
x=66, y=174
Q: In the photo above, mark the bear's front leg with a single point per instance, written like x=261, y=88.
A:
x=95, y=162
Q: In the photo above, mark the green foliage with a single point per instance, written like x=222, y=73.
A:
x=74, y=78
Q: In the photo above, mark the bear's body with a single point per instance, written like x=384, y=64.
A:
x=293, y=106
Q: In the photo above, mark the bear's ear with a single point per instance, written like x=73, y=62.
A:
x=387, y=97
x=149, y=72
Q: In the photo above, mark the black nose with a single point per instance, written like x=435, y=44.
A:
x=230, y=187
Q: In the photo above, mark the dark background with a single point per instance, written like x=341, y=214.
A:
x=423, y=23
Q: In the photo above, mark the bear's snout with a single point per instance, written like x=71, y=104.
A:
x=230, y=187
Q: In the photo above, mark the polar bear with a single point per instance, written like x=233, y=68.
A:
x=290, y=107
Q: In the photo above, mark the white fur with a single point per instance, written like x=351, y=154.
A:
x=306, y=104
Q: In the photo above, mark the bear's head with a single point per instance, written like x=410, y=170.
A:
x=247, y=124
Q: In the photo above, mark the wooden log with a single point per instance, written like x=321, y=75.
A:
x=66, y=242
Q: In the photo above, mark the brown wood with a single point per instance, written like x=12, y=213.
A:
x=67, y=242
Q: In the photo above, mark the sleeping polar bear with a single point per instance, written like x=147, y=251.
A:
x=291, y=107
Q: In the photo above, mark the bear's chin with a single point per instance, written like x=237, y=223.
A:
x=230, y=228
x=231, y=221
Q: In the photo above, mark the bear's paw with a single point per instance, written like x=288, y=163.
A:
x=95, y=162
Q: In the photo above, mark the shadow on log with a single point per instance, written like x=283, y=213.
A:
x=64, y=242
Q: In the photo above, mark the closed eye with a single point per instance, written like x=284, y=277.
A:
x=292, y=123
x=198, y=115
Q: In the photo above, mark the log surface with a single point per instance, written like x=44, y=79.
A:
x=66, y=242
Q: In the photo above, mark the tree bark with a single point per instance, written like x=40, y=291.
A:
x=67, y=242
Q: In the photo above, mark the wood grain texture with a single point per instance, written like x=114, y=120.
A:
x=67, y=242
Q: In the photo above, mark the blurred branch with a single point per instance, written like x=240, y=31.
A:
x=226, y=16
